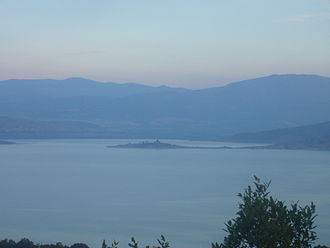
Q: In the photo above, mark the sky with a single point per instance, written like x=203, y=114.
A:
x=179, y=43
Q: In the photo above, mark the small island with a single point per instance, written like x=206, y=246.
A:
x=160, y=145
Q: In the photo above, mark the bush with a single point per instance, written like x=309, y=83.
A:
x=263, y=221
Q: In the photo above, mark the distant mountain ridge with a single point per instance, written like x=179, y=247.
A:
x=73, y=87
x=15, y=128
x=276, y=101
x=316, y=136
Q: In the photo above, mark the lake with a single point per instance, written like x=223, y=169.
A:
x=80, y=191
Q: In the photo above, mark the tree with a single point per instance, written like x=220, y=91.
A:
x=265, y=222
x=162, y=242
x=79, y=245
x=114, y=244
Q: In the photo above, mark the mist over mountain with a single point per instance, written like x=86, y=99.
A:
x=72, y=87
x=277, y=101
x=17, y=128
x=316, y=136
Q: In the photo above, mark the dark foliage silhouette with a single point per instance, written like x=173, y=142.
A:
x=263, y=221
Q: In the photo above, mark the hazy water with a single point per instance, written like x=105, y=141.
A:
x=81, y=191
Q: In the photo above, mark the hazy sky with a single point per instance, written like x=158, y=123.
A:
x=186, y=43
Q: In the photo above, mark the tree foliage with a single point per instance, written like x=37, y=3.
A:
x=265, y=222
x=114, y=244
x=162, y=242
x=26, y=243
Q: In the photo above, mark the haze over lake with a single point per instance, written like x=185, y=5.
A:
x=199, y=81
x=81, y=191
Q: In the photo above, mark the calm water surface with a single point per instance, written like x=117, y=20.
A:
x=81, y=191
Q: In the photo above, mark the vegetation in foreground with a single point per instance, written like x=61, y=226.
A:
x=265, y=222
x=26, y=243
x=261, y=222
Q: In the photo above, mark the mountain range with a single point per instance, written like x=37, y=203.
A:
x=316, y=136
x=78, y=107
